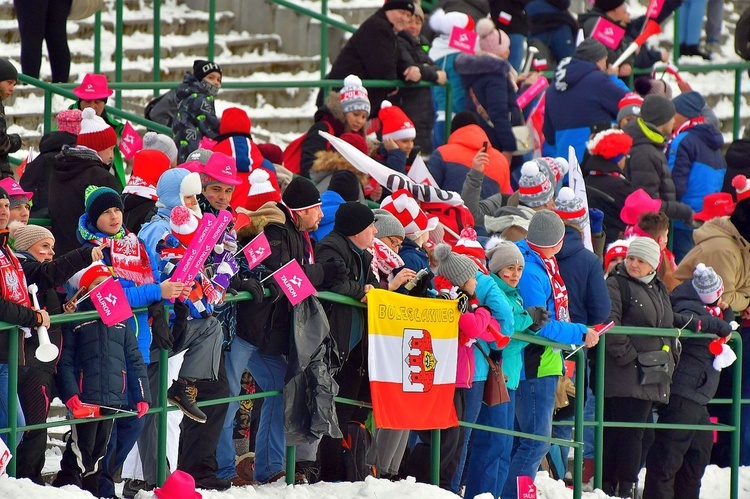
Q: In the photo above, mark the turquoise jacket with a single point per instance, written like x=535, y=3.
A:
x=512, y=361
x=489, y=295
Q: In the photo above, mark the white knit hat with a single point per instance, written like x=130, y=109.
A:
x=261, y=190
x=95, y=133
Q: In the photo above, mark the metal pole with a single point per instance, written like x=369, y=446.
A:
x=157, y=44
x=161, y=460
x=47, y=112
x=291, y=461
x=734, y=459
x=435, y=457
x=579, y=419
x=14, y=335
x=118, y=50
x=599, y=413
x=736, y=102
x=676, y=37
x=323, y=41
x=97, y=41
x=211, y=28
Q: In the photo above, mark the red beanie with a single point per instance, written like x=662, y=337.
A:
x=148, y=165
x=95, y=133
x=234, y=120
x=396, y=124
x=93, y=272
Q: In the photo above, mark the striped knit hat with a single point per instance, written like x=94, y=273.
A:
x=534, y=187
x=570, y=207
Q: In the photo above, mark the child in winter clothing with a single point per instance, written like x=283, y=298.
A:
x=678, y=458
x=99, y=365
x=9, y=142
x=397, y=149
x=139, y=195
x=196, y=117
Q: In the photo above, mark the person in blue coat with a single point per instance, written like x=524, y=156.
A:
x=344, y=186
x=542, y=285
x=696, y=162
x=585, y=93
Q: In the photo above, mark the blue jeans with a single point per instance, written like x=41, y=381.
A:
x=691, y=21
x=268, y=371
x=517, y=49
x=489, y=458
x=682, y=242
x=20, y=420
x=472, y=405
x=535, y=402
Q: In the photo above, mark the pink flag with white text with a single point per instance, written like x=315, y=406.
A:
x=293, y=282
x=608, y=33
x=525, y=487
x=109, y=300
x=131, y=141
x=654, y=8
x=257, y=250
x=464, y=40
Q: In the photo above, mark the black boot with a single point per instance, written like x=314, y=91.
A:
x=627, y=489
x=609, y=488
x=182, y=393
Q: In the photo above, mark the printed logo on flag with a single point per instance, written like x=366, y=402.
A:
x=526, y=488
x=419, y=361
x=293, y=282
x=109, y=300
x=539, y=64
x=5, y=457
x=257, y=250
x=131, y=141
x=654, y=9
x=608, y=33
x=531, y=93
x=463, y=39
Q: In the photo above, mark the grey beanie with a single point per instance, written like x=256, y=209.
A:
x=707, y=283
x=504, y=253
x=200, y=155
x=387, y=225
x=456, y=268
x=591, y=50
x=646, y=249
x=161, y=142
x=546, y=229
x=657, y=110
x=534, y=187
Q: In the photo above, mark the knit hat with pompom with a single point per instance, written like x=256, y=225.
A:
x=354, y=95
x=534, y=187
x=492, y=40
x=707, y=283
x=95, y=133
x=570, y=207
x=183, y=224
x=443, y=22
x=261, y=190
x=456, y=268
x=610, y=144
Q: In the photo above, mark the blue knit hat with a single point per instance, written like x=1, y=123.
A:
x=99, y=200
x=689, y=104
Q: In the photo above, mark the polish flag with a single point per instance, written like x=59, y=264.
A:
x=504, y=18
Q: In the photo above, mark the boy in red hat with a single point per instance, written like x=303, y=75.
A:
x=397, y=149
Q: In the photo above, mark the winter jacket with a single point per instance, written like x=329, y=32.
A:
x=331, y=202
x=395, y=159
x=328, y=162
x=76, y=168
x=697, y=164
x=489, y=78
x=606, y=190
x=548, y=15
x=196, y=116
x=512, y=353
x=372, y=54
x=581, y=270
x=416, y=102
x=647, y=166
x=118, y=162
x=37, y=175
x=737, y=164
x=48, y=276
x=267, y=325
x=635, y=303
x=470, y=193
x=645, y=58
x=414, y=257
x=535, y=288
x=348, y=324
x=163, y=109
x=580, y=97
x=694, y=377
x=102, y=365
x=9, y=142
x=489, y=295
x=472, y=325
x=518, y=24
x=450, y=163
x=718, y=244
x=138, y=211
x=330, y=119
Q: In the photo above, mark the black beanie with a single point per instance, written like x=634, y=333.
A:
x=399, y=4
x=346, y=184
x=301, y=194
x=607, y=5
x=464, y=118
x=203, y=68
x=352, y=218
x=99, y=200
x=8, y=71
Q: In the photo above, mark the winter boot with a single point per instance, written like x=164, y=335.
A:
x=588, y=470
x=609, y=488
x=182, y=393
x=627, y=489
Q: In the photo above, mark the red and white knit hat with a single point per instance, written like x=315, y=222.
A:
x=183, y=224
x=261, y=190
x=617, y=249
x=742, y=185
x=85, y=277
x=396, y=124
x=534, y=187
x=468, y=246
x=148, y=165
x=570, y=207
x=406, y=209
x=95, y=133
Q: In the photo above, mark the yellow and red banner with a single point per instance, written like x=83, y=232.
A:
x=413, y=345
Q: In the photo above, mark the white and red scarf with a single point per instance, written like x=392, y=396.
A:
x=688, y=125
x=384, y=259
x=130, y=260
x=559, y=291
x=13, y=280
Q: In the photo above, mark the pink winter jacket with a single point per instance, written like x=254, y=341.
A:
x=471, y=326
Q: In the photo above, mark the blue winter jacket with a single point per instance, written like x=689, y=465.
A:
x=697, y=164
x=535, y=288
x=581, y=269
x=102, y=364
x=331, y=201
x=580, y=96
x=490, y=295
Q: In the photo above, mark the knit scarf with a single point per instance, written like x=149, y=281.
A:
x=559, y=291
x=13, y=285
x=688, y=125
x=384, y=259
x=715, y=311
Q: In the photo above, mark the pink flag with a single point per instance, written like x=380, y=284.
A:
x=257, y=250
x=530, y=93
x=654, y=9
x=463, y=39
x=608, y=33
x=525, y=487
x=131, y=141
x=109, y=300
x=208, y=233
x=293, y=282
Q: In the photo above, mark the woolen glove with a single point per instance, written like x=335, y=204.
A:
x=334, y=272
x=161, y=336
x=142, y=408
x=596, y=217
x=252, y=286
x=463, y=302
x=539, y=316
x=73, y=403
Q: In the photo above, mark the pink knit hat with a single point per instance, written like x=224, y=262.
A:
x=69, y=120
x=492, y=40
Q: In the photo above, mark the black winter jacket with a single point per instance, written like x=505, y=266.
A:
x=737, y=164
x=329, y=119
x=75, y=169
x=348, y=324
x=647, y=166
x=606, y=190
x=138, y=210
x=38, y=172
x=695, y=377
x=102, y=365
x=519, y=23
x=9, y=142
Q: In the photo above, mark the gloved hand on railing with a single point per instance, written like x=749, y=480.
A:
x=142, y=408
x=539, y=316
x=73, y=403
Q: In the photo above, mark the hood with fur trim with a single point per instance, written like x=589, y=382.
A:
x=266, y=214
x=327, y=162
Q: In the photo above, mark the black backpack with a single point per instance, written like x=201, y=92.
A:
x=162, y=109
x=360, y=453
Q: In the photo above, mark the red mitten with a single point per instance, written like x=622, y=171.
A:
x=142, y=408
x=73, y=403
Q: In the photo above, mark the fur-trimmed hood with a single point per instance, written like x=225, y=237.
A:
x=332, y=107
x=266, y=214
x=327, y=162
